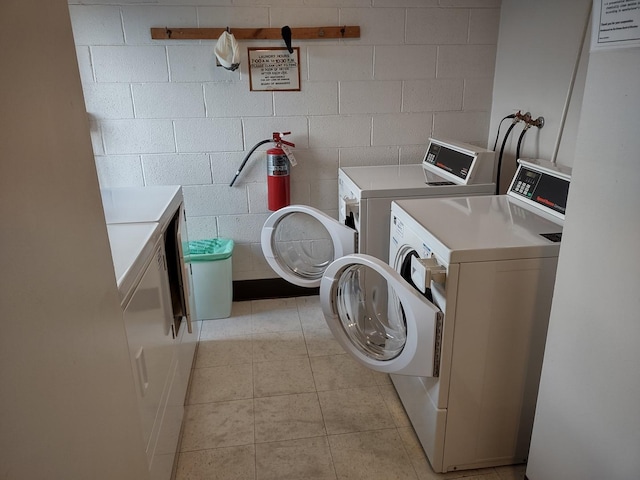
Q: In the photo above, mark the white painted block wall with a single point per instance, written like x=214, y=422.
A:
x=162, y=113
x=538, y=55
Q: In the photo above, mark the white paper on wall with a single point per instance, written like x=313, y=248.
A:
x=616, y=23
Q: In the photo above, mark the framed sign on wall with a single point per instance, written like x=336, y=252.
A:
x=274, y=68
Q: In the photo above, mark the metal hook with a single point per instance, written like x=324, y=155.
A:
x=228, y=30
x=167, y=31
x=343, y=30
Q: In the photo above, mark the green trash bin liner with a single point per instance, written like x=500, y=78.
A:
x=211, y=273
x=209, y=250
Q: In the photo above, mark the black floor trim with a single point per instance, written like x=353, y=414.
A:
x=268, y=288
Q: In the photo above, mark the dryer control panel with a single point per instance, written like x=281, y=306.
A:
x=459, y=163
x=543, y=185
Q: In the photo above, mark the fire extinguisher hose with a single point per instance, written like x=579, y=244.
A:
x=247, y=158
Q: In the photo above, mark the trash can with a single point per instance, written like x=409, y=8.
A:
x=212, y=277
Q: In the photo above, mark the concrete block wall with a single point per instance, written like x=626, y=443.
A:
x=161, y=112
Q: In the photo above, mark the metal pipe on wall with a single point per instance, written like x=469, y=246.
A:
x=565, y=108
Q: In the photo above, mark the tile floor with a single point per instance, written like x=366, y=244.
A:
x=273, y=396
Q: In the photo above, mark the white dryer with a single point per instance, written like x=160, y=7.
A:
x=460, y=316
x=299, y=241
x=162, y=205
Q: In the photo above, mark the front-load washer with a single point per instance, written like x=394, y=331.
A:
x=299, y=241
x=459, y=315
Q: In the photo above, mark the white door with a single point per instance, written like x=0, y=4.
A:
x=378, y=318
x=299, y=243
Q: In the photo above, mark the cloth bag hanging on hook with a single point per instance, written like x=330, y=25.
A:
x=227, y=51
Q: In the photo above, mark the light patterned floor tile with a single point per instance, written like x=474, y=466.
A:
x=339, y=371
x=416, y=454
x=231, y=463
x=283, y=377
x=311, y=316
x=288, y=417
x=219, y=384
x=354, y=410
x=302, y=459
x=270, y=305
x=238, y=324
x=296, y=383
x=222, y=424
x=394, y=404
x=225, y=351
x=380, y=378
x=278, y=346
x=320, y=342
x=483, y=474
x=375, y=455
x=276, y=315
x=511, y=472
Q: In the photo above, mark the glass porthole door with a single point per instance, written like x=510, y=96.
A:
x=299, y=242
x=379, y=319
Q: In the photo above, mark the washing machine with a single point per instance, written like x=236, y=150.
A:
x=299, y=241
x=459, y=315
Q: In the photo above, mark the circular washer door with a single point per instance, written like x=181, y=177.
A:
x=299, y=242
x=379, y=318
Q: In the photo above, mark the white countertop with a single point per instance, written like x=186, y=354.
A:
x=141, y=204
x=482, y=228
x=132, y=245
x=136, y=218
x=399, y=181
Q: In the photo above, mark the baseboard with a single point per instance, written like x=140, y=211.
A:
x=268, y=288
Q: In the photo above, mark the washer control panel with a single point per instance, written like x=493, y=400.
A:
x=542, y=184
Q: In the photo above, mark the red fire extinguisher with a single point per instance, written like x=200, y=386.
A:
x=279, y=161
x=278, y=174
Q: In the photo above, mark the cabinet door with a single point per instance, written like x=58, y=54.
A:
x=182, y=242
x=187, y=334
x=148, y=320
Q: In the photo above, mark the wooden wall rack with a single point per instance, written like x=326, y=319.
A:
x=298, y=33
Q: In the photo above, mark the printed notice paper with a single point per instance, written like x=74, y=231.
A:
x=274, y=69
x=616, y=23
